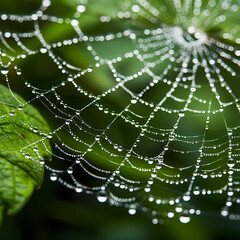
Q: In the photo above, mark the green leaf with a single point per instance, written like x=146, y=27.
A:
x=23, y=143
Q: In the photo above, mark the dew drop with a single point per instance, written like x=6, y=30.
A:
x=19, y=72
x=120, y=149
x=196, y=191
x=231, y=162
x=97, y=138
x=237, y=53
x=42, y=162
x=53, y=177
x=4, y=70
x=147, y=189
x=179, y=208
x=78, y=189
x=224, y=211
x=74, y=22
x=155, y=221
x=81, y=8
x=170, y=214
x=49, y=135
x=35, y=130
x=136, y=8
x=132, y=210
x=102, y=196
x=204, y=175
x=12, y=113
x=133, y=101
x=20, y=107
x=70, y=170
x=184, y=218
x=186, y=197
x=43, y=50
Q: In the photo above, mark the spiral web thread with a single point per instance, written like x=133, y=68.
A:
x=180, y=107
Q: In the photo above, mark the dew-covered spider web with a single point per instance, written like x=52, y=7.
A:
x=142, y=98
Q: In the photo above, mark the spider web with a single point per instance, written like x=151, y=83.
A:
x=149, y=119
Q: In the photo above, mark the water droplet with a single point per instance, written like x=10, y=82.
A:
x=12, y=113
x=133, y=101
x=35, y=130
x=4, y=70
x=132, y=210
x=155, y=221
x=170, y=214
x=43, y=50
x=97, y=138
x=102, y=196
x=120, y=148
x=70, y=170
x=179, y=208
x=136, y=8
x=196, y=190
x=81, y=8
x=224, y=211
x=78, y=189
x=74, y=22
x=205, y=175
x=185, y=218
x=186, y=197
x=147, y=189
x=53, y=177
x=19, y=72
x=237, y=53
x=231, y=162
x=42, y=162
x=49, y=135
x=20, y=107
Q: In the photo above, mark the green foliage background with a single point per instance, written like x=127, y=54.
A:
x=58, y=213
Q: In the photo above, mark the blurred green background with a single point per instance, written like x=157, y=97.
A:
x=54, y=212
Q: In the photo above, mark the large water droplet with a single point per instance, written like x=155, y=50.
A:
x=81, y=8
x=20, y=107
x=78, y=189
x=12, y=113
x=19, y=72
x=70, y=170
x=185, y=218
x=132, y=210
x=53, y=177
x=186, y=197
x=136, y=8
x=42, y=161
x=179, y=208
x=74, y=22
x=133, y=101
x=4, y=70
x=231, y=162
x=35, y=130
x=196, y=190
x=102, y=196
x=224, y=211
